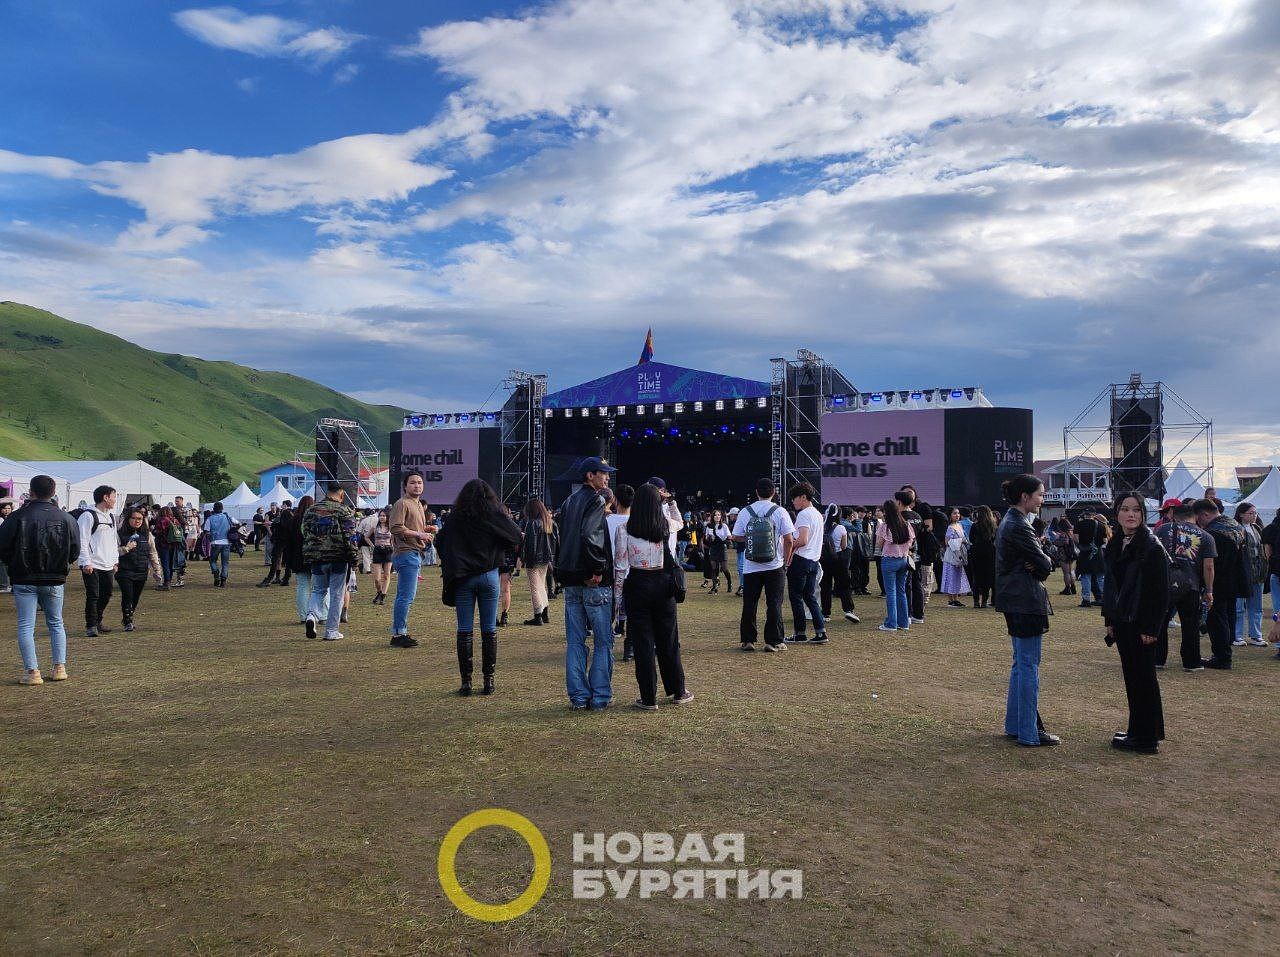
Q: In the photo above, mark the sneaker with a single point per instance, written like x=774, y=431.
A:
x=887, y=628
x=129, y=627
x=402, y=641
x=1217, y=664
x=31, y=678
x=796, y=639
x=683, y=698
x=850, y=616
x=917, y=621
x=311, y=627
x=337, y=635
x=1196, y=668
x=780, y=646
x=905, y=627
x=1160, y=667
x=1086, y=604
x=747, y=646
x=59, y=673
x=91, y=632
x=1238, y=643
x=819, y=639
x=1258, y=642
x=578, y=707
x=103, y=629
x=641, y=706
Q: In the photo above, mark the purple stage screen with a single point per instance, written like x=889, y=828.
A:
x=447, y=459
x=867, y=456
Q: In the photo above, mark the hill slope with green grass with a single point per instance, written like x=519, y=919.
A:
x=68, y=391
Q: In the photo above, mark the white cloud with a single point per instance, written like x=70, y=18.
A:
x=265, y=35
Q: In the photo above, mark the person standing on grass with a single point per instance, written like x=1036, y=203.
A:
x=1135, y=606
x=894, y=539
x=715, y=544
x=328, y=547
x=1228, y=580
x=802, y=564
x=623, y=496
x=473, y=546
x=584, y=569
x=292, y=543
x=955, y=558
x=982, y=556
x=837, y=551
x=6, y=509
x=138, y=556
x=767, y=535
x=218, y=525
x=1271, y=550
x=1191, y=553
x=537, y=551
x=642, y=547
x=99, y=557
x=411, y=533
x=1021, y=570
x=381, y=548
x=1249, y=608
x=38, y=544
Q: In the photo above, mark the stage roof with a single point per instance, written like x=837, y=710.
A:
x=655, y=382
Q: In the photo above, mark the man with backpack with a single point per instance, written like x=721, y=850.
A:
x=767, y=535
x=99, y=556
x=1191, y=553
x=1228, y=580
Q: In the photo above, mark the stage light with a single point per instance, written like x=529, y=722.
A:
x=902, y=396
x=602, y=410
x=761, y=402
x=739, y=403
x=719, y=405
x=626, y=433
x=838, y=400
x=658, y=409
x=547, y=413
x=943, y=394
x=679, y=407
x=888, y=398
x=622, y=410
x=650, y=432
x=969, y=393
x=697, y=407
x=877, y=397
x=673, y=431
x=463, y=417
x=489, y=417
x=866, y=399
x=415, y=421
x=568, y=413
x=439, y=419
x=585, y=413
x=928, y=396
x=724, y=430
x=917, y=396
x=957, y=394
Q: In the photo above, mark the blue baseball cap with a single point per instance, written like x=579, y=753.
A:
x=595, y=464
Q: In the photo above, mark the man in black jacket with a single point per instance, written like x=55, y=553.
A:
x=38, y=544
x=584, y=568
x=1228, y=580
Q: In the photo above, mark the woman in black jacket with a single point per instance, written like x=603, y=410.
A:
x=1135, y=606
x=537, y=553
x=138, y=556
x=473, y=545
x=1021, y=570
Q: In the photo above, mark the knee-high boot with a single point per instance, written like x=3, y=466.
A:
x=464, y=661
x=488, y=660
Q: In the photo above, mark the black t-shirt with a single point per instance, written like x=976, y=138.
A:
x=1271, y=536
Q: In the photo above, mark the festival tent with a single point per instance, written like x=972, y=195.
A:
x=1182, y=484
x=240, y=504
x=1266, y=497
x=277, y=496
x=132, y=479
x=15, y=477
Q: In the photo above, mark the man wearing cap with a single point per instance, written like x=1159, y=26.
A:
x=671, y=511
x=1165, y=511
x=584, y=567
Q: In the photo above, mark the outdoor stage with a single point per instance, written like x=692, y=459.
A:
x=711, y=436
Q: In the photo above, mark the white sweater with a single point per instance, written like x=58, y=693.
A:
x=99, y=550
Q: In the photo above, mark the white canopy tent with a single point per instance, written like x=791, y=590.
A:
x=277, y=496
x=132, y=479
x=1266, y=497
x=1182, y=484
x=17, y=475
x=240, y=504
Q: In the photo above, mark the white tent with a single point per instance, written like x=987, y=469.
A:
x=17, y=475
x=240, y=504
x=277, y=496
x=131, y=478
x=1182, y=484
x=1266, y=497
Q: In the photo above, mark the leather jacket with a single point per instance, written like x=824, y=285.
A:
x=1019, y=591
x=1137, y=589
x=584, y=540
x=38, y=543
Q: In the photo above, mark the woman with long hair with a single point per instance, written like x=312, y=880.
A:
x=382, y=548
x=292, y=537
x=1249, y=607
x=537, y=552
x=1062, y=537
x=836, y=560
x=137, y=558
x=955, y=558
x=1021, y=570
x=894, y=538
x=169, y=536
x=510, y=562
x=473, y=545
x=715, y=543
x=1135, y=606
x=982, y=556
x=649, y=593
x=6, y=509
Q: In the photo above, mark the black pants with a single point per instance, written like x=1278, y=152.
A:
x=860, y=575
x=1187, y=609
x=130, y=595
x=97, y=595
x=712, y=571
x=835, y=580
x=653, y=631
x=1222, y=624
x=915, y=593
x=879, y=577
x=1138, y=662
x=981, y=596
x=771, y=583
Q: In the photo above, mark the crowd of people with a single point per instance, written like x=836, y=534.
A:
x=620, y=558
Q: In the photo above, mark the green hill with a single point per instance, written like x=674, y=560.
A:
x=68, y=391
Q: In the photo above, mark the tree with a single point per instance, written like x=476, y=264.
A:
x=166, y=458
x=204, y=468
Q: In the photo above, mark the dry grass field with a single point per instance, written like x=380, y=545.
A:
x=215, y=784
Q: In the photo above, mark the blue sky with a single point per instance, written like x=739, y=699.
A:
x=404, y=200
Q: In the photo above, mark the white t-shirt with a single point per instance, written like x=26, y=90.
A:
x=811, y=519
x=781, y=521
x=838, y=535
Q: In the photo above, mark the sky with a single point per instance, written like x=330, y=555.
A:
x=405, y=200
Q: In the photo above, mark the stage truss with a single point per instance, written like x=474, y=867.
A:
x=522, y=438
x=801, y=390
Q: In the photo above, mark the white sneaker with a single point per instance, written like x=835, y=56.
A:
x=917, y=621
x=886, y=628
x=334, y=637
x=1239, y=642
x=1258, y=642
x=850, y=616
x=780, y=646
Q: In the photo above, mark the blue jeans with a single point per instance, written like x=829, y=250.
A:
x=1024, y=690
x=1091, y=585
x=1250, y=608
x=167, y=563
x=894, y=572
x=49, y=599
x=302, y=597
x=219, y=553
x=802, y=589
x=328, y=580
x=742, y=557
x=482, y=590
x=406, y=565
x=585, y=606
x=1275, y=594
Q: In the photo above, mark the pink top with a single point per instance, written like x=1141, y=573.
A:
x=889, y=547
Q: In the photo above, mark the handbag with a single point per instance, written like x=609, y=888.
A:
x=676, y=574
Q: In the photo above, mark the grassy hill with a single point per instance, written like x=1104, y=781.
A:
x=57, y=403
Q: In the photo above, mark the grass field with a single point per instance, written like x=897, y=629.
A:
x=214, y=783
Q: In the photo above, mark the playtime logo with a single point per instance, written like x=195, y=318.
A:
x=648, y=385
x=621, y=865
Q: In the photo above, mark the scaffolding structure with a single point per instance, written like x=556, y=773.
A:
x=522, y=444
x=1176, y=432
x=344, y=453
x=801, y=390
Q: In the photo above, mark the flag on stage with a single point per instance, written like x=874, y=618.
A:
x=647, y=352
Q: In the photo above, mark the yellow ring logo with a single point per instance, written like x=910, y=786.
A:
x=447, y=864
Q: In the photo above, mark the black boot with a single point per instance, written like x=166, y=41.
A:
x=488, y=659
x=535, y=620
x=502, y=622
x=627, y=651
x=546, y=617
x=465, y=645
